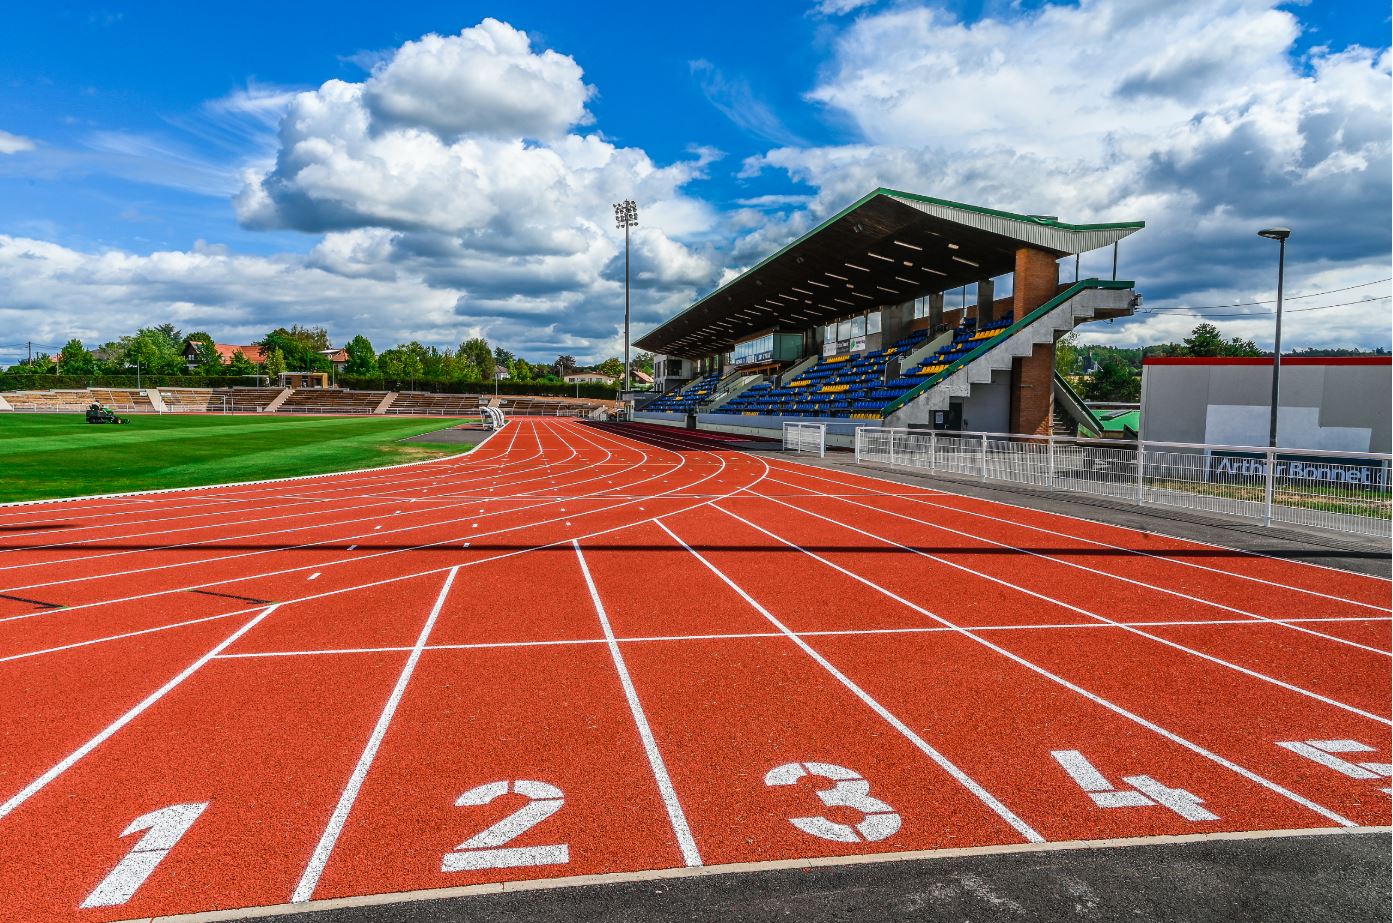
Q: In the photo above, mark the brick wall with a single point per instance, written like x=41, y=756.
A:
x=1036, y=280
x=1032, y=392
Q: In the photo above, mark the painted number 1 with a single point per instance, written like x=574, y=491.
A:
x=164, y=828
x=484, y=849
x=848, y=790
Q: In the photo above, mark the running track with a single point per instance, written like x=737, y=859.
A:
x=584, y=649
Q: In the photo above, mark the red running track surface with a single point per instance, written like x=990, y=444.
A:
x=587, y=649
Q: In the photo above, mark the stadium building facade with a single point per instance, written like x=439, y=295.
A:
x=853, y=324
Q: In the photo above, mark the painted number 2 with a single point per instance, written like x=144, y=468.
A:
x=164, y=828
x=848, y=790
x=485, y=850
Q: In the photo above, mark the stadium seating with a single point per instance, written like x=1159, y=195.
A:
x=123, y=400
x=857, y=386
x=521, y=406
x=687, y=398
x=331, y=400
x=253, y=399
x=48, y=401
x=419, y=402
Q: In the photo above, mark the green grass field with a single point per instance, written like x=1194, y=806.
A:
x=60, y=455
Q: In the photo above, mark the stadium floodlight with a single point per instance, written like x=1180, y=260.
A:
x=1280, y=235
x=626, y=216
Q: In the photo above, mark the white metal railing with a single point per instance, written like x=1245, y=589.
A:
x=1344, y=491
x=806, y=438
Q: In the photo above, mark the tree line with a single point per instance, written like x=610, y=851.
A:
x=164, y=350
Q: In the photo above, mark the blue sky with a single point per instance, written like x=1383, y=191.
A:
x=144, y=180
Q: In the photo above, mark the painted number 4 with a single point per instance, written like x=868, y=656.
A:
x=1144, y=791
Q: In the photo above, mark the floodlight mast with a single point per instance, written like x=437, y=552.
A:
x=626, y=216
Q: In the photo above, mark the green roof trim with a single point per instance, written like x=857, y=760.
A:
x=1020, y=324
x=996, y=213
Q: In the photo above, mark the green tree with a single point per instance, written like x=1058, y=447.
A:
x=275, y=362
x=502, y=357
x=1067, y=359
x=644, y=363
x=299, y=346
x=74, y=359
x=207, y=360
x=477, y=352
x=239, y=364
x=1204, y=340
x=361, y=358
x=563, y=366
x=520, y=370
x=1114, y=380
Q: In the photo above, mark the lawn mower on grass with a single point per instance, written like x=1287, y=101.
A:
x=99, y=413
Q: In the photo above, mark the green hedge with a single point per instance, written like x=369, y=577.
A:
x=10, y=382
x=536, y=389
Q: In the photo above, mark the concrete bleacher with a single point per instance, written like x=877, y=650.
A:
x=331, y=400
x=122, y=400
x=421, y=402
x=523, y=406
x=48, y=401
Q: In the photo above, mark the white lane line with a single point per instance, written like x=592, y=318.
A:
x=929, y=493
x=731, y=636
x=1092, y=697
x=1290, y=687
x=1103, y=573
x=986, y=797
x=67, y=762
x=320, y=857
x=128, y=634
x=685, y=841
x=431, y=571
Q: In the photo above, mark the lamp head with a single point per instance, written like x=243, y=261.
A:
x=1275, y=233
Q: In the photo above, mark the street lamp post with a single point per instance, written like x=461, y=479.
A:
x=626, y=216
x=1280, y=235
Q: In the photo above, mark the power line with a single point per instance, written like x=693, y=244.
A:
x=1247, y=304
x=1265, y=313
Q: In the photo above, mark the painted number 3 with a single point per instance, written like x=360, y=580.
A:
x=848, y=790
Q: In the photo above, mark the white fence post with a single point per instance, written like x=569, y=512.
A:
x=1049, y=448
x=1141, y=471
x=1269, y=481
x=984, y=456
x=933, y=450
x=857, y=440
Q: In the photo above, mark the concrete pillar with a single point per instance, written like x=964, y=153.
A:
x=895, y=321
x=985, y=301
x=1036, y=280
x=935, y=312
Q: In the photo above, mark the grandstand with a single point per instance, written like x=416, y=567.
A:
x=422, y=402
x=865, y=296
x=331, y=400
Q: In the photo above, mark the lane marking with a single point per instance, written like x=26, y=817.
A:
x=105, y=734
x=986, y=797
x=676, y=816
x=1111, y=706
x=128, y=634
x=1093, y=570
x=1290, y=687
x=320, y=857
x=930, y=492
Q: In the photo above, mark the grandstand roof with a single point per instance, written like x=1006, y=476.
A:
x=887, y=248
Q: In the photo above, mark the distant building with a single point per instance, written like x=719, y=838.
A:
x=588, y=378
x=641, y=377
x=225, y=352
x=1337, y=404
x=338, y=358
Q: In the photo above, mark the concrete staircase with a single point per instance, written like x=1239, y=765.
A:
x=1081, y=302
x=278, y=400
x=385, y=402
x=733, y=387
